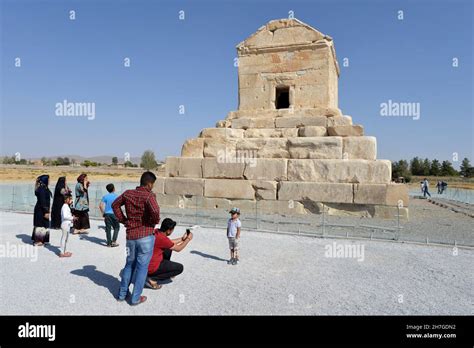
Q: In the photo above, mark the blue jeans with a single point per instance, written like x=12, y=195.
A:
x=136, y=267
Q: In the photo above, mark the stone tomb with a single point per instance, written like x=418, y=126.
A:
x=288, y=145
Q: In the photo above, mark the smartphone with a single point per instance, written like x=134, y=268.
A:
x=188, y=231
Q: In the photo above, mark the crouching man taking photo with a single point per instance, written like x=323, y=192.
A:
x=161, y=267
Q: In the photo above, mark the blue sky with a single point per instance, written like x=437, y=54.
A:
x=190, y=62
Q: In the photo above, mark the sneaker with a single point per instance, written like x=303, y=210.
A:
x=230, y=262
x=234, y=262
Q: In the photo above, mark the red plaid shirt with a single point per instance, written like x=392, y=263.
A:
x=142, y=212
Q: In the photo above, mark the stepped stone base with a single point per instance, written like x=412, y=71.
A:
x=317, y=192
x=280, y=207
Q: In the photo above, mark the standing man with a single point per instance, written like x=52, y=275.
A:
x=425, y=187
x=142, y=213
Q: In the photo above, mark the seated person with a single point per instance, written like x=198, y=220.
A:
x=161, y=267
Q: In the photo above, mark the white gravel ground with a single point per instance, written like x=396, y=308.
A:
x=278, y=274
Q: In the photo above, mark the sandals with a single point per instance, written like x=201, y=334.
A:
x=152, y=286
x=66, y=254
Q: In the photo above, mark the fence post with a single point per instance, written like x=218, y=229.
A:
x=196, y=221
x=397, y=237
x=324, y=222
x=256, y=215
x=13, y=196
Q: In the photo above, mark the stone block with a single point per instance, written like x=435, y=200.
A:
x=264, y=147
x=227, y=188
x=223, y=124
x=186, y=167
x=209, y=203
x=267, y=169
x=271, y=133
x=184, y=186
x=315, y=147
x=312, y=131
x=221, y=133
x=346, y=131
x=280, y=207
x=300, y=121
x=339, y=121
x=159, y=186
x=212, y=168
x=382, y=194
x=193, y=148
x=316, y=192
x=218, y=147
x=166, y=200
x=363, y=147
x=265, y=189
x=249, y=123
x=339, y=171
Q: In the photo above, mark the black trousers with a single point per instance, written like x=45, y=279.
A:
x=111, y=222
x=167, y=268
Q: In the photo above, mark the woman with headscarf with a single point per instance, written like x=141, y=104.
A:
x=60, y=191
x=81, y=206
x=42, y=210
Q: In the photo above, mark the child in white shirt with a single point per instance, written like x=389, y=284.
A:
x=233, y=235
x=66, y=225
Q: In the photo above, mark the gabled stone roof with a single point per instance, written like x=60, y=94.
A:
x=282, y=33
x=286, y=34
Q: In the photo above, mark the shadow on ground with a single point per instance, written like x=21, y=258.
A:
x=26, y=238
x=100, y=278
x=207, y=256
x=92, y=239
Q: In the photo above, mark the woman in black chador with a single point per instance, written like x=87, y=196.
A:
x=60, y=191
x=42, y=210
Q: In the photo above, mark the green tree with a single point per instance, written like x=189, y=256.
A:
x=401, y=169
x=129, y=164
x=114, y=161
x=88, y=163
x=435, y=169
x=466, y=169
x=9, y=160
x=447, y=169
x=148, y=161
x=416, y=167
x=426, y=167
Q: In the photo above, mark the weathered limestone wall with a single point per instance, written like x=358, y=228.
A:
x=309, y=73
x=287, y=53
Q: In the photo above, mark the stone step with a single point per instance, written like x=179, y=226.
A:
x=372, y=194
x=350, y=147
x=281, y=169
x=340, y=171
x=252, y=207
x=291, y=121
x=320, y=111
